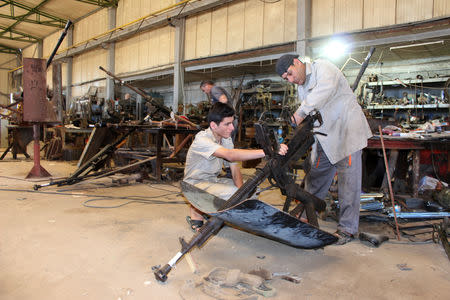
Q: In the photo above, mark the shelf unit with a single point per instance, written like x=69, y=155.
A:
x=392, y=93
x=409, y=106
x=408, y=81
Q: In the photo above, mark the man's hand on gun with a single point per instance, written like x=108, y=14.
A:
x=296, y=119
x=283, y=149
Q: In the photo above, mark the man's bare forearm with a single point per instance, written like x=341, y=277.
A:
x=237, y=175
x=239, y=154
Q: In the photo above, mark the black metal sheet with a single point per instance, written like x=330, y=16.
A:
x=260, y=218
x=265, y=220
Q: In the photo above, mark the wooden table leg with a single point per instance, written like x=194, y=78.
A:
x=416, y=166
x=393, y=155
x=158, y=164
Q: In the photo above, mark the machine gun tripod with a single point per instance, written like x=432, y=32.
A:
x=255, y=216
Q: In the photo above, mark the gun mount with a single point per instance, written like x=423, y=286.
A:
x=271, y=222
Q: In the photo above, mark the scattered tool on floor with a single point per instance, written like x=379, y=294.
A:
x=374, y=240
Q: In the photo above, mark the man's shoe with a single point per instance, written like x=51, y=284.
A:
x=343, y=237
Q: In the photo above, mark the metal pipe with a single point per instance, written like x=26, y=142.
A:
x=61, y=38
x=389, y=182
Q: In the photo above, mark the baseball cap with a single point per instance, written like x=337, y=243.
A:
x=284, y=63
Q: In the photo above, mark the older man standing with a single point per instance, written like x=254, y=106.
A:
x=323, y=87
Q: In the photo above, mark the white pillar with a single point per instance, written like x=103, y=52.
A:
x=111, y=55
x=69, y=63
x=303, y=27
x=178, y=72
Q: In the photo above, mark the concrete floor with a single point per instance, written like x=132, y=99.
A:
x=54, y=247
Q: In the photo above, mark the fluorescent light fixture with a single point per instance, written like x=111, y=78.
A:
x=416, y=45
x=334, y=49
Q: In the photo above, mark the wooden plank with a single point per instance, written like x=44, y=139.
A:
x=132, y=54
x=418, y=224
x=254, y=21
x=273, y=23
x=290, y=20
x=100, y=60
x=203, y=42
x=144, y=44
x=119, y=13
x=172, y=45
x=88, y=57
x=64, y=75
x=153, y=49
x=322, y=17
x=84, y=63
x=348, y=15
x=30, y=51
x=378, y=13
x=413, y=10
x=93, y=145
x=164, y=46
x=441, y=8
x=219, y=20
x=235, y=27
x=146, y=7
x=119, y=53
x=76, y=69
x=190, y=42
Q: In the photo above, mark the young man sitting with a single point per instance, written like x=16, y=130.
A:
x=211, y=149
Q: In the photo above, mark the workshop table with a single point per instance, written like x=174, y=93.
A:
x=159, y=133
x=434, y=141
x=19, y=136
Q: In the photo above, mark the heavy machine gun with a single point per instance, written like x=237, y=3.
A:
x=256, y=216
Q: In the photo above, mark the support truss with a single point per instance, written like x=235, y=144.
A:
x=50, y=20
x=102, y=3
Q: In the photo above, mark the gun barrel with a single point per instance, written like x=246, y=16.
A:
x=149, y=98
x=207, y=230
x=363, y=68
x=58, y=43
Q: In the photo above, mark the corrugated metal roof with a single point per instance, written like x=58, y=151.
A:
x=25, y=22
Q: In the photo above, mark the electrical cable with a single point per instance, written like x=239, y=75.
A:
x=137, y=199
x=134, y=199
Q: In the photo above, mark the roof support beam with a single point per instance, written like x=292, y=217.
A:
x=54, y=21
x=22, y=37
x=7, y=50
x=102, y=3
x=45, y=23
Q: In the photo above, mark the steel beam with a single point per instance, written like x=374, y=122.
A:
x=303, y=27
x=111, y=56
x=34, y=10
x=102, y=3
x=23, y=37
x=178, y=78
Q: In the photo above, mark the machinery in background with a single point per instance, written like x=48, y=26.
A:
x=93, y=108
x=263, y=99
x=409, y=101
